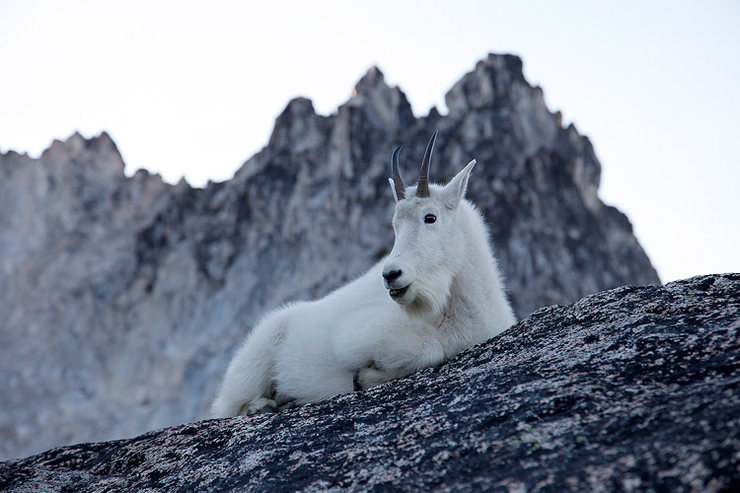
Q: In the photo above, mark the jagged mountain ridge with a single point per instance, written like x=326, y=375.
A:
x=129, y=294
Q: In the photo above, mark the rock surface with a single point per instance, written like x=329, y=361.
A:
x=123, y=298
x=629, y=389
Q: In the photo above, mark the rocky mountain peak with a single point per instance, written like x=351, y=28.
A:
x=297, y=127
x=100, y=154
x=386, y=106
x=497, y=87
x=371, y=81
x=489, y=84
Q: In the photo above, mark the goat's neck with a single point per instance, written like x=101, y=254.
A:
x=475, y=283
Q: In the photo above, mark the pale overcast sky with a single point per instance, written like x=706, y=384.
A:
x=192, y=88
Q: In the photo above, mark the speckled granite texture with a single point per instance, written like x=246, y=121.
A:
x=632, y=389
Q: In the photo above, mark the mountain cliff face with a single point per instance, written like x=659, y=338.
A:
x=124, y=297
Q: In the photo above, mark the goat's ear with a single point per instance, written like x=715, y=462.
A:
x=454, y=191
x=393, y=189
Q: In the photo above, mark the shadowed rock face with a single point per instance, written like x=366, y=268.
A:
x=123, y=298
x=628, y=389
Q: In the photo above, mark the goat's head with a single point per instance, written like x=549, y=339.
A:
x=429, y=242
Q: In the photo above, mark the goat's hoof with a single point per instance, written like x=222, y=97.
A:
x=291, y=404
x=260, y=406
x=369, y=377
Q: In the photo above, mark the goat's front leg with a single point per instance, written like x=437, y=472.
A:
x=400, y=362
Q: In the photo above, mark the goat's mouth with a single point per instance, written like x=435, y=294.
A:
x=398, y=293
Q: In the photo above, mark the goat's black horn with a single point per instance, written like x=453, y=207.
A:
x=397, y=181
x=422, y=187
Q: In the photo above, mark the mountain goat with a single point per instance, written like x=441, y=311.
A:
x=438, y=292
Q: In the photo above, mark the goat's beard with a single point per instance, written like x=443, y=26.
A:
x=428, y=296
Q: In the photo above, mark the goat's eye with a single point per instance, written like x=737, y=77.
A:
x=430, y=218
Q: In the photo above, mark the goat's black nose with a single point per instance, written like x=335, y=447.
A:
x=392, y=275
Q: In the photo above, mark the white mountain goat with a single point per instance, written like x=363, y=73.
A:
x=437, y=293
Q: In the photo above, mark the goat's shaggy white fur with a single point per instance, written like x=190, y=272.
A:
x=447, y=295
